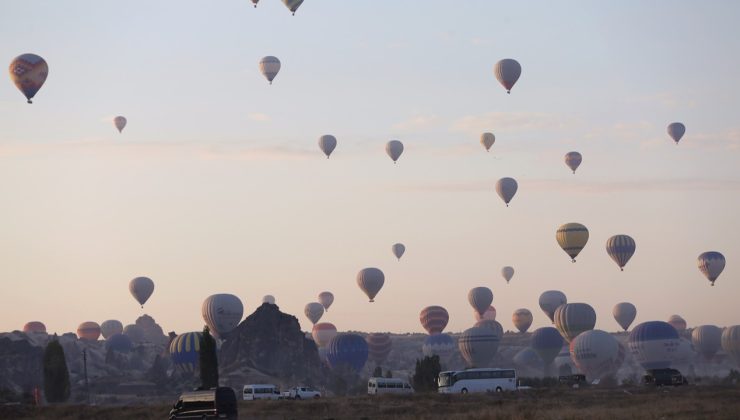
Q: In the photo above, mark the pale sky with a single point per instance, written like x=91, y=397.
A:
x=217, y=184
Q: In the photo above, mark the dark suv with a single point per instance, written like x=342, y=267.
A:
x=664, y=377
x=208, y=403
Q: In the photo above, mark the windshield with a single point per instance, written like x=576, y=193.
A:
x=445, y=379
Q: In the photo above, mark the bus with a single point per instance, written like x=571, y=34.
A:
x=477, y=380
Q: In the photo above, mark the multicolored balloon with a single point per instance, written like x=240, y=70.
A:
x=489, y=314
x=441, y=345
x=624, y=313
x=269, y=67
x=711, y=265
x=507, y=72
x=347, y=349
x=573, y=319
x=522, y=319
x=370, y=280
x=654, y=344
x=478, y=346
x=379, y=346
x=34, y=327
x=323, y=332
x=28, y=72
x=677, y=322
x=89, y=331
x=222, y=313
x=573, y=160
x=620, y=248
x=185, y=351
x=597, y=354
x=572, y=237
x=434, y=319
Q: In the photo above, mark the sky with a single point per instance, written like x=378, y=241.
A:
x=217, y=184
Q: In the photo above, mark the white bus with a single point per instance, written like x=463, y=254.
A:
x=388, y=386
x=261, y=392
x=477, y=380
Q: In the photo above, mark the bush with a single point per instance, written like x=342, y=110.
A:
x=426, y=374
x=208, y=361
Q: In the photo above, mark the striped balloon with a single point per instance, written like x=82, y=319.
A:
x=550, y=300
x=506, y=189
x=434, y=319
x=89, y=331
x=491, y=325
x=572, y=319
x=480, y=298
x=478, y=346
x=677, y=322
x=620, y=248
x=489, y=314
x=507, y=273
x=185, y=351
x=731, y=342
x=269, y=67
x=522, y=319
x=654, y=344
x=707, y=340
x=487, y=140
x=222, y=312
x=379, y=346
x=573, y=160
x=441, y=345
x=34, y=327
x=370, y=280
x=624, y=313
x=572, y=237
x=676, y=130
x=597, y=354
x=347, y=350
x=547, y=342
x=507, y=72
x=323, y=332
x=711, y=265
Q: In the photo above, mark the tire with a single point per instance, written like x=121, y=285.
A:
x=464, y=391
x=498, y=389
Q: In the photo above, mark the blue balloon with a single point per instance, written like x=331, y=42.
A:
x=120, y=343
x=185, y=351
x=654, y=344
x=440, y=344
x=347, y=349
x=547, y=342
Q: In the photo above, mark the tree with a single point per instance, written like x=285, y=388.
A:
x=208, y=361
x=426, y=374
x=378, y=372
x=56, y=375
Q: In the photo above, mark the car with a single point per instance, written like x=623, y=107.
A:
x=574, y=381
x=261, y=392
x=377, y=386
x=202, y=404
x=303, y=393
x=664, y=377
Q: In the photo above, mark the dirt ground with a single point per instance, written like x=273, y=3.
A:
x=691, y=402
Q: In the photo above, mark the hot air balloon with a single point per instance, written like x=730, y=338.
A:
x=547, y=342
x=141, y=288
x=572, y=319
x=478, y=345
x=434, y=319
x=379, y=346
x=528, y=359
x=495, y=326
x=676, y=130
x=323, y=332
x=597, y=354
x=255, y=3
x=269, y=67
x=326, y=299
x=39, y=327
x=620, y=248
x=563, y=362
x=489, y=314
x=120, y=123
x=507, y=72
x=292, y=5
x=573, y=160
x=398, y=250
x=89, y=331
x=135, y=333
x=313, y=311
x=327, y=144
x=572, y=237
x=507, y=273
x=323, y=351
x=549, y=302
x=185, y=351
x=711, y=265
x=222, y=313
x=707, y=340
x=624, y=313
x=480, y=299
x=28, y=72
x=731, y=342
x=441, y=345
x=677, y=322
x=348, y=350
x=370, y=281
x=119, y=343
x=487, y=140
x=268, y=299
x=522, y=319
x=111, y=327
x=394, y=148
x=506, y=188
x=653, y=344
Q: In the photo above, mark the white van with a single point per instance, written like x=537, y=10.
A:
x=261, y=392
x=388, y=386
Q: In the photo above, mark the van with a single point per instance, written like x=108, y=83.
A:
x=210, y=403
x=664, y=377
x=261, y=392
x=377, y=386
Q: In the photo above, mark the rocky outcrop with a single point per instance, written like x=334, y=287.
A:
x=270, y=343
x=21, y=364
x=153, y=333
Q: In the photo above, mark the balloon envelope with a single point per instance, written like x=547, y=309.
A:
x=654, y=344
x=34, y=327
x=478, y=346
x=507, y=273
x=111, y=327
x=549, y=302
x=441, y=345
x=370, y=280
x=572, y=319
x=522, y=319
x=185, y=351
x=676, y=130
x=506, y=189
x=398, y=250
x=572, y=237
x=269, y=67
x=135, y=333
x=677, y=322
x=573, y=160
x=119, y=342
x=624, y=313
x=327, y=144
x=89, y=331
x=487, y=140
x=222, y=313
x=547, y=342
x=480, y=299
x=28, y=72
x=292, y=5
x=711, y=265
x=379, y=346
x=141, y=289
x=597, y=354
x=434, y=319
x=268, y=299
x=120, y=123
x=348, y=350
x=620, y=248
x=731, y=342
x=490, y=314
x=313, y=311
x=323, y=332
x=707, y=340
x=394, y=148
x=326, y=299
x=507, y=72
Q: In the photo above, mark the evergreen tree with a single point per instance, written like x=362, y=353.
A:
x=378, y=372
x=208, y=361
x=426, y=374
x=56, y=375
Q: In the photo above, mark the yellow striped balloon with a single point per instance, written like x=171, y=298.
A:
x=572, y=237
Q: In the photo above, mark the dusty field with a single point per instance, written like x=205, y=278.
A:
x=688, y=403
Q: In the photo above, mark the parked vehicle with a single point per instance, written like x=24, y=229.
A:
x=388, y=386
x=575, y=381
x=303, y=393
x=261, y=392
x=211, y=403
x=477, y=380
x=664, y=377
